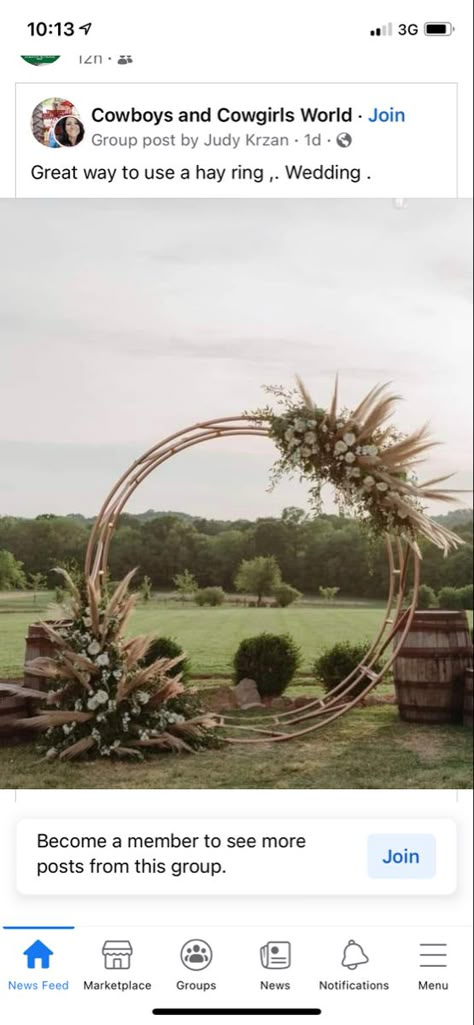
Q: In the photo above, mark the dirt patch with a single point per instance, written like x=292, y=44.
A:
x=222, y=699
x=428, y=746
x=378, y=699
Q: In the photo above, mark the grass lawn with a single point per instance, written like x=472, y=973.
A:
x=367, y=749
x=209, y=636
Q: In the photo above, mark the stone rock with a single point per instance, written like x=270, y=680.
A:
x=247, y=694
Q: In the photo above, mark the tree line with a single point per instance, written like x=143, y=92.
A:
x=311, y=552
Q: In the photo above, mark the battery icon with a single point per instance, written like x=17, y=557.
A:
x=438, y=28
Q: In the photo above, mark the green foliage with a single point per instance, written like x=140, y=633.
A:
x=285, y=594
x=12, y=576
x=102, y=700
x=166, y=647
x=450, y=598
x=185, y=583
x=269, y=659
x=456, y=597
x=467, y=596
x=426, y=598
x=210, y=596
x=146, y=589
x=311, y=552
x=329, y=593
x=258, y=576
x=37, y=582
x=335, y=663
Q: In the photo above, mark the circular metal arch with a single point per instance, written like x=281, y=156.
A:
x=402, y=559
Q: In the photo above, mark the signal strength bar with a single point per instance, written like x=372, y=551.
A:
x=384, y=30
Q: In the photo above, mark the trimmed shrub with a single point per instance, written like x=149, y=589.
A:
x=451, y=598
x=335, y=663
x=467, y=596
x=426, y=598
x=285, y=595
x=210, y=596
x=166, y=647
x=269, y=659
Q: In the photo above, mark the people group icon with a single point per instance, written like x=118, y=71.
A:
x=56, y=123
x=196, y=955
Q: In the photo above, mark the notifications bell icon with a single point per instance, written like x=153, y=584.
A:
x=354, y=955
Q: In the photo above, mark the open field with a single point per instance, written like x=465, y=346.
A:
x=209, y=636
x=367, y=749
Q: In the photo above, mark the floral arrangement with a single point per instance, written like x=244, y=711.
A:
x=101, y=699
x=369, y=462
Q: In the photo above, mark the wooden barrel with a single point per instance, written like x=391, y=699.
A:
x=429, y=670
x=467, y=712
x=39, y=645
x=12, y=707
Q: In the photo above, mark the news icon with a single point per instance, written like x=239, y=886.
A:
x=276, y=954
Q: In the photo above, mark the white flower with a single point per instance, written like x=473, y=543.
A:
x=103, y=660
x=369, y=482
x=349, y=438
x=324, y=428
x=355, y=471
x=310, y=438
x=349, y=457
x=94, y=648
x=289, y=434
x=142, y=696
x=101, y=697
x=382, y=486
x=371, y=450
x=92, y=704
x=111, y=705
x=340, y=446
x=305, y=452
x=299, y=425
x=51, y=753
x=117, y=674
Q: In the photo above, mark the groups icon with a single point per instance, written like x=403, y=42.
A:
x=196, y=955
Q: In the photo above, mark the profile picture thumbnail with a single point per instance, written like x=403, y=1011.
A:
x=55, y=123
x=68, y=131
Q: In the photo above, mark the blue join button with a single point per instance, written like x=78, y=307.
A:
x=402, y=856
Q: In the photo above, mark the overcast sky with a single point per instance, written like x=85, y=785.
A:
x=124, y=321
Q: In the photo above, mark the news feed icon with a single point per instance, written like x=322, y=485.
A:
x=276, y=954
